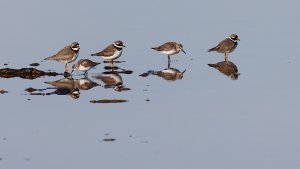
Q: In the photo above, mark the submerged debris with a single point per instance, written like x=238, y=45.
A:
x=25, y=73
x=108, y=101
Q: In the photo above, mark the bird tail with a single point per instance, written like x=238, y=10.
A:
x=48, y=58
x=213, y=65
x=212, y=49
x=96, y=63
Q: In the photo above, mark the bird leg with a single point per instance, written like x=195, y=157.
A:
x=226, y=57
x=66, y=67
x=169, y=61
x=111, y=63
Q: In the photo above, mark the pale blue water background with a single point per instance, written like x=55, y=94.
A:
x=204, y=120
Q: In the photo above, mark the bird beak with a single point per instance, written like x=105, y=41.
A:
x=72, y=71
x=238, y=39
x=183, y=51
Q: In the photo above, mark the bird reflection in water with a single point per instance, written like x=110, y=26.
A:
x=68, y=86
x=227, y=68
x=112, y=78
x=169, y=74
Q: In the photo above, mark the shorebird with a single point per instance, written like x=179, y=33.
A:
x=111, y=52
x=66, y=55
x=226, y=46
x=169, y=48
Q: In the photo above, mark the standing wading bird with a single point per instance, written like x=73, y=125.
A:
x=169, y=48
x=84, y=65
x=111, y=52
x=66, y=55
x=226, y=46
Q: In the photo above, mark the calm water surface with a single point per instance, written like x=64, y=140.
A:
x=202, y=120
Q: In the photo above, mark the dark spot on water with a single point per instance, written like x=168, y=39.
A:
x=108, y=101
x=127, y=71
x=27, y=159
x=34, y=64
x=1, y=159
x=3, y=91
x=25, y=73
x=111, y=67
x=144, y=74
x=5, y=64
x=28, y=99
x=109, y=139
x=4, y=139
x=145, y=90
x=30, y=89
x=147, y=100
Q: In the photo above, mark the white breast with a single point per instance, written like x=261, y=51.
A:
x=116, y=55
x=82, y=68
x=169, y=52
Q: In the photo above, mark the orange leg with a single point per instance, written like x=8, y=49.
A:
x=226, y=57
x=66, y=67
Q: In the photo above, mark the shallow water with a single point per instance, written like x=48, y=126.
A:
x=202, y=120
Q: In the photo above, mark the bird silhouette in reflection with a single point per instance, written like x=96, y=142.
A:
x=169, y=74
x=227, y=68
x=66, y=86
x=112, y=79
x=85, y=83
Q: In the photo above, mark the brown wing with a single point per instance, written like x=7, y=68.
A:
x=87, y=62
x=63, y=83
x=63, y=54
x=226, y=45
x=108, y=51
x=226, y=67
x=167, y=46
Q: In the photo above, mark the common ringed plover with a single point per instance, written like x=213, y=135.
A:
x=111, y=52
x=66, y=55
x=227, y=45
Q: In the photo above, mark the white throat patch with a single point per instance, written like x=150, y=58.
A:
x=75, y=49
x=232, y=39
x=117, y=46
